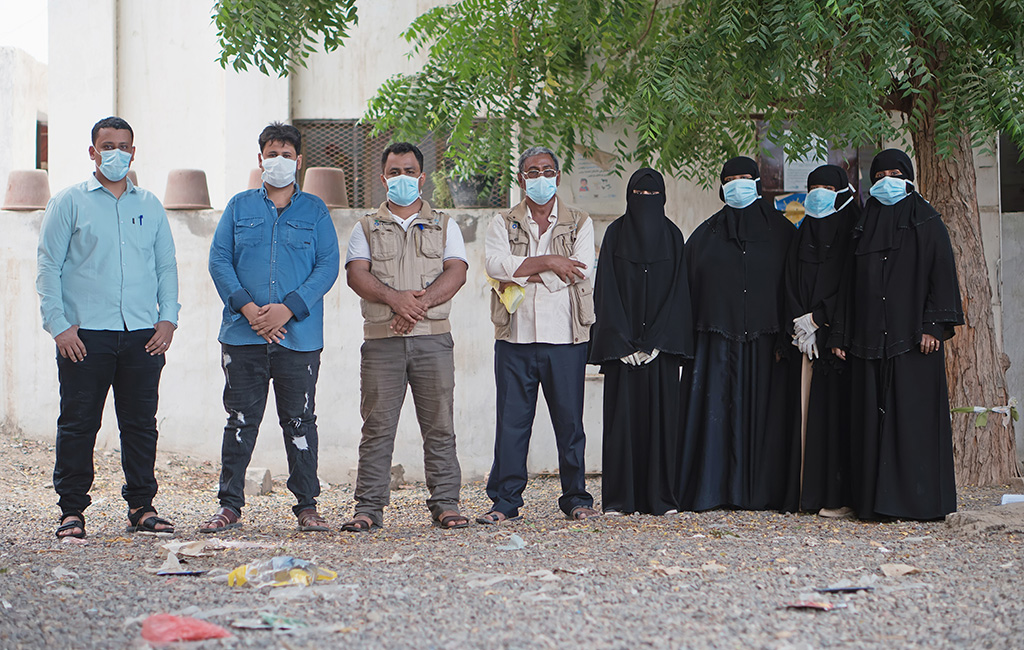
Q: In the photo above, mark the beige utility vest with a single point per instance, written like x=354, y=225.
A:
x=405, y=260
x=563, y=240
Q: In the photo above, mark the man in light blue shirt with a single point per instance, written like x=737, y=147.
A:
x=108, y=290
x=274, y=256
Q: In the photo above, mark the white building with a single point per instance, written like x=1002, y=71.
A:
x=154, y=64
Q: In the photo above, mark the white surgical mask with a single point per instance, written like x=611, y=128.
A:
x=114, y=164
x=279, y=171
x=741, y=192
x=890, y=190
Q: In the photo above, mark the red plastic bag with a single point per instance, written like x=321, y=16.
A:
x=164, y=628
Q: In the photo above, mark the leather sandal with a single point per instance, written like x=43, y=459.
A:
x=70, y=521
x=145, y=520
x=359, y=524
x=223, y=519
x=311, y=521
x=451, y=520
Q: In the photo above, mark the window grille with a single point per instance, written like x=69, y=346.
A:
x=348, y=144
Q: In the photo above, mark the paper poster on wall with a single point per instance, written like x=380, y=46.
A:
x=796, y=170
x=595, y=186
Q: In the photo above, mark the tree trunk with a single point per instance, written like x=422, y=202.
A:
x=975, y=367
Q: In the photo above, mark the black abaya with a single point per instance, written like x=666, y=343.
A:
x=734, y=451
x=901, y=284
x=641, y=299
x=813, y=273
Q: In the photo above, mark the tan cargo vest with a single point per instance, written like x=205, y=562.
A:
x=563, y=238
x=405, y=260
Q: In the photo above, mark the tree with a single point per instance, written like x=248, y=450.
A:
x=682, y=80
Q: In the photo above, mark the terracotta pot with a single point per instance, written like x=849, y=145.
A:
x=187, y=190
x=329, y=184
x=255, y=179
x=27, y=189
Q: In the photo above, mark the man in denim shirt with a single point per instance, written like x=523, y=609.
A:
x=108, y=291
x=274, y=256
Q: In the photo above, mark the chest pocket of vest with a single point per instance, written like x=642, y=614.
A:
x=431, y=240
x=384, y=243
x=300, y=233
x=249, y=231
x=518, y=240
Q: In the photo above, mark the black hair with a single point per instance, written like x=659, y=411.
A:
x=111, y=122
x=280, y=132
x=400, y=148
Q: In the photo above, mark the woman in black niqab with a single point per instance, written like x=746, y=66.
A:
x=734, y=451
x=899, y=302
x=641, y=335
x=813, y=273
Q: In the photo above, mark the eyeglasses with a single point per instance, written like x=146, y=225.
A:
x=537, y=173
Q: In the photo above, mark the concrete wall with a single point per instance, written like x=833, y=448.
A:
x=191, y=418
x=23, y=96
x=1012, y=230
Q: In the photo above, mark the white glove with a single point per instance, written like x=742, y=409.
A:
x=645, y=358
x=808, y=344
x=630, y=359
x=804, y=324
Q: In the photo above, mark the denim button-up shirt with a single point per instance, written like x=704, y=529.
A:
x=106, y=263
x=262, y=257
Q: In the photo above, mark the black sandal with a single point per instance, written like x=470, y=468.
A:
x=141, y=524
x=71, y=521
x=359, y=524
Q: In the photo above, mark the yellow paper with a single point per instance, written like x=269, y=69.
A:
x=511, y=297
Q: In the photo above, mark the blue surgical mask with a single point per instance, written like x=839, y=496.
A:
x=114, y=164
x=540, y=190
x=403, y=190
x=890, y=190
x=820, y=202
x=741, y=192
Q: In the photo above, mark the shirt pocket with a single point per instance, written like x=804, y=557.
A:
x=300, y=233
x=249, y=231
x=431, y=241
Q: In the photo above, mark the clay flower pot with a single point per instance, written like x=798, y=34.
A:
x=328, y=183
x=133, y=177
x=27, y=189
x=255, y=179
x=187, y=190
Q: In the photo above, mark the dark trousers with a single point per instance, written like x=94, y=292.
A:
x=518, y=371
x=248, y=370
x=117, y=359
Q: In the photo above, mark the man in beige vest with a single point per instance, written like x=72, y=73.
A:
x=406, y=262
x=547, y=248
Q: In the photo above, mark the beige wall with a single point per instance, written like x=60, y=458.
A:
x=191, y=418
x=22, y=103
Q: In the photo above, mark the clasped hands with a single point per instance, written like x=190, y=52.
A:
x=804, y=337
x=410, y=307
x=640, y=358
x=268, y=321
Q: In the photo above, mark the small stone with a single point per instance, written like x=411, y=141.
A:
x=258, y=482
x=397, y=477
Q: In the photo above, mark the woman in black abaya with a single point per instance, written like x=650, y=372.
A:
x=901, y=300
x=735, y=451
x=813, y=272
x=641, y=335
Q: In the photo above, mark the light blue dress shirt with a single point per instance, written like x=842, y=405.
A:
x=262, y=257
x=106, y=263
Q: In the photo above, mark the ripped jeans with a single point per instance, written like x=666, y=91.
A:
x=248, y=370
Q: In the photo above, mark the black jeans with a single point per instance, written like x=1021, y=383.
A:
x=117, y=359
x=248, y=370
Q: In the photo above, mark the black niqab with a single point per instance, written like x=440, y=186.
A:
x=641, y=293
x=645, y=235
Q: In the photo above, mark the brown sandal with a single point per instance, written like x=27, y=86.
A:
x=450, y=520
x=223, y=519
x=582, y=513
x=311, y=521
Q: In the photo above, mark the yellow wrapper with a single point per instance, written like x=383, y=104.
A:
x=511, y=297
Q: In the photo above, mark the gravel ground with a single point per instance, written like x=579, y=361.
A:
x=710, y=580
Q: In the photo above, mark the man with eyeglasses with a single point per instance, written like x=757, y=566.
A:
x=547, y=248
x=406, y=261
x=108, y=291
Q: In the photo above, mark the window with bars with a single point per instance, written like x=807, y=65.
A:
x=349, y=145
